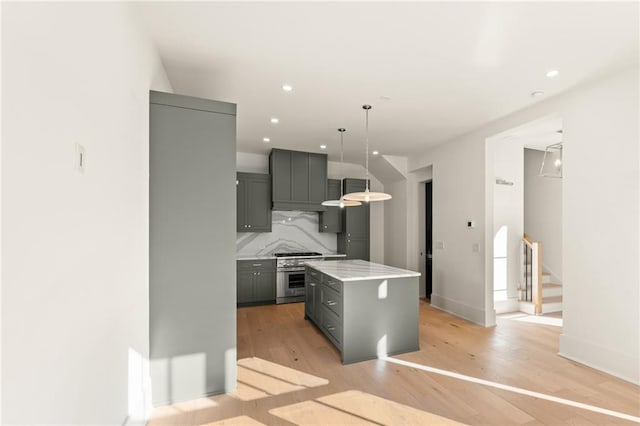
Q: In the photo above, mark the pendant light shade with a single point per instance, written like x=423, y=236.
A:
x=367, y=195
x=341, y=202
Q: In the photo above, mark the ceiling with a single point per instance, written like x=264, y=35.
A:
x=431, y=71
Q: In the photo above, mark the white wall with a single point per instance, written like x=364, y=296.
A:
x=508, y=210
x=601, y=214
x=543, y=211
x=75, y=258
x=395, y=226
x=259, y=163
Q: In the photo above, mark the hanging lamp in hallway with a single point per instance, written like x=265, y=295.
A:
x=367, y=195
x=341, y=202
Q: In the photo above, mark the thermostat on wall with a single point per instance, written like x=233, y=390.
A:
x=471, y=224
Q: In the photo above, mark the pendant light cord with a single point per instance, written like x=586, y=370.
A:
x=341, y=130
x=366, y=159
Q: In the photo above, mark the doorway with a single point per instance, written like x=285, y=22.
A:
x=428, y=258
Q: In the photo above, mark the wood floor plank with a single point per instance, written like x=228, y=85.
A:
x=290, y=375
x=236, y=421
x=265, y=383
x=382, y=411
x=311, y=413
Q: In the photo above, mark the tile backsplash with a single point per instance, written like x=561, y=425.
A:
x=291, y=231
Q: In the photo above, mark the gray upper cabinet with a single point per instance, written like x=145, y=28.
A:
x=354, y=238
x=299, y=180
x=253, y=202
x=331, y=220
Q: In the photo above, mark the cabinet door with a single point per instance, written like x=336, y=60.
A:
x=258, y=200
x=245, y=286
x=299, y=176
x=317, y=178
x=241, y=207
x=358, y=249
x=310, y=299
x=265, y=286
x=357, y=222
x=331, y=220
x=280, y=167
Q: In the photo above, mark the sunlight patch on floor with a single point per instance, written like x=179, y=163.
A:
x=356, y=408
x=534, y=319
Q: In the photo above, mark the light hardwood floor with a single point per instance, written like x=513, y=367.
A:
x=514, y=353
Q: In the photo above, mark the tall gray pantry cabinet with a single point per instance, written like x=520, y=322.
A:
x=192, y=235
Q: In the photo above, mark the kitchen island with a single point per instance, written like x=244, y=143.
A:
x=365, y=309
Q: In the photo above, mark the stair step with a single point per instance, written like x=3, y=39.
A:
x=551, y=289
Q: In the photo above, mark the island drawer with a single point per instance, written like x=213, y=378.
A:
x=332, y=283
x=331, y=325
x=331, y=299
x=247, y=265
x=314, y=275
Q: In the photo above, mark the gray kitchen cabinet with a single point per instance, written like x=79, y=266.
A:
x=253, y=202
x=298, y=180
x=192, y=292
x=312, y=295
x=280, y=170
x=331, y=220
x=256, y=282
x=354, y=240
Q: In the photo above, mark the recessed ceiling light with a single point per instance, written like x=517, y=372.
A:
x=552, y=73
x=266, y=140
x=275, y=120
x=375, y=152
x=287, y=87
x=537, y=94
x=385, y=98
x=323, y=147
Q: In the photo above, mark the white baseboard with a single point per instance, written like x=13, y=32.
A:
x=617, y=364
x=458, y=309
x=505, y=306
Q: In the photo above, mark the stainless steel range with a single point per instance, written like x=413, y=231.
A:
x=290, y=276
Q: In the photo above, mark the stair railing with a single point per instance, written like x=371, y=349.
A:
x=531, y=285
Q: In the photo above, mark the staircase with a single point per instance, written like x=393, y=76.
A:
x=537, y=293
x=551, y=297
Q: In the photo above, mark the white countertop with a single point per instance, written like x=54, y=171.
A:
x=357, y=270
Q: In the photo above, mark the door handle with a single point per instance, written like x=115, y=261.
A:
x=331, y=303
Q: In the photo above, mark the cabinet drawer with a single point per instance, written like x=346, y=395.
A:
x=332, y=283
x=314, y=275
x=258, y=264
x=332, y=300
x=331, y=324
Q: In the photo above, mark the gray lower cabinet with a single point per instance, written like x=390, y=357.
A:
x=298, y=180
x=312, y=295
x=361, y=324
x=253, y=198
x=354, y=239
x=256, y=282
x=331, y=220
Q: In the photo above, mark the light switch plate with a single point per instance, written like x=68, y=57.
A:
x=81, y=159
x=440, y=245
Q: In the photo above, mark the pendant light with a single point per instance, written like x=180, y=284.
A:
x=367, y=195
x=341, y=202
